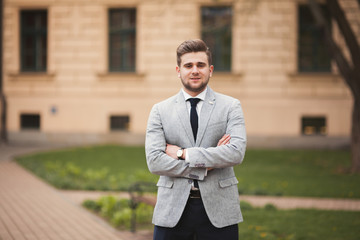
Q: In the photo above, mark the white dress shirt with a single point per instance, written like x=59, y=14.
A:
x=201, y=96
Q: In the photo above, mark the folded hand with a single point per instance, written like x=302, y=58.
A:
x=223, y=141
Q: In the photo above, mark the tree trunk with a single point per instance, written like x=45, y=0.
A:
x=350, y=72
x=355, y=138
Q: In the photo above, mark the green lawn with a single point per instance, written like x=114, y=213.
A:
x=300, y=224
x=259, y=223
x=308, y=173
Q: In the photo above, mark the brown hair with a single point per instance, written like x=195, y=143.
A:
x=194, y=45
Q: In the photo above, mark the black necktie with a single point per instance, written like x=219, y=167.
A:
x=194, y=120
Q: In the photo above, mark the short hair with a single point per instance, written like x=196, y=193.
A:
x=193, y=45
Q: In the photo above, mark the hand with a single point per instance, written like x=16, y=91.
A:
x=171, y=150
x=223, y=141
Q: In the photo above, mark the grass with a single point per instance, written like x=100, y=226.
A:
x=300, y=224
x=309, y=173
x=107, y=167
x=260, y=223
x=117, y=159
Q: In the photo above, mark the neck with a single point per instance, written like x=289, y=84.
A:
x=194, y=93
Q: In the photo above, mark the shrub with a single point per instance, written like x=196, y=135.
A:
x=270, y=207
x=118, y=211
x=245, y=205
x=92, y=205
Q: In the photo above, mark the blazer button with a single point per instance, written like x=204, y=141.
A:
x=190, y=181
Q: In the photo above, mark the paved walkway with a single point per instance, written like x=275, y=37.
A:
x=32, y=209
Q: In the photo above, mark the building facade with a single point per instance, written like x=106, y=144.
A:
x=90, y=71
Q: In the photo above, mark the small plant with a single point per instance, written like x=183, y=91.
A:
x=118, y=212
x=92, y=205
x=245, y=205
x=270, y=207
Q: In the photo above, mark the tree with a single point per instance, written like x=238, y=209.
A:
x=350, y=71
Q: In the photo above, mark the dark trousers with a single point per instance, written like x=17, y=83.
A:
x=194, y=224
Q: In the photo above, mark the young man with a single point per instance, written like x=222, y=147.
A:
x=193, y=140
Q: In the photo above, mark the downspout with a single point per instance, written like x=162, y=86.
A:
x=3, y=130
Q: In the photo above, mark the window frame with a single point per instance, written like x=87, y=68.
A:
x=124, y=119
x=30, y=128
x=130, y=31
x=38, y=52
x=318, y=125
x=217, y=61
x=315, y=44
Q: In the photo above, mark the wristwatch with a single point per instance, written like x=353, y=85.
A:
x=179, y=153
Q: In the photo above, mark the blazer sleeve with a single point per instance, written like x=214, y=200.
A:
x=157, y=160
x=225, y=155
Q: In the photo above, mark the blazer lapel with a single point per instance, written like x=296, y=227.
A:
x=206, y=111
x=184, y=117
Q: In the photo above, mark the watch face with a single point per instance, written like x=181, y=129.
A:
x=179, y=153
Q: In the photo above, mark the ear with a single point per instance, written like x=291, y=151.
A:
x=178, y=70
x=211, y=70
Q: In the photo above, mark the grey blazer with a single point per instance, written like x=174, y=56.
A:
x=169, y=122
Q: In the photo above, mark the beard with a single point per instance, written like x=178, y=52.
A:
x=198, y=88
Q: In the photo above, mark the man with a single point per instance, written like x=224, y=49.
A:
x=193, y=140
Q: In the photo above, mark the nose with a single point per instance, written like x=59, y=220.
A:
x=195, y=70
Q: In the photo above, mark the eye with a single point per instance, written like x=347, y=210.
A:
x=201, y=65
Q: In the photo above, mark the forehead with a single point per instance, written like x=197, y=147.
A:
x=194, y=57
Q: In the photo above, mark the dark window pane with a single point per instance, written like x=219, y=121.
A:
x=313, y=55
x=33, y=40
x=313, y=126
x=122, y=40
x=28, y=20
x=30, y=121
x=42, y=52
x=119, y=123
x=217, y=33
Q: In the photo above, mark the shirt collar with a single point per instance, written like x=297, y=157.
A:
x=201, y=95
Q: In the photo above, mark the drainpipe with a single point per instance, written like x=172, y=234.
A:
x=3, y=133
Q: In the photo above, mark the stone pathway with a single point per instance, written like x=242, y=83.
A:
x=32, y=209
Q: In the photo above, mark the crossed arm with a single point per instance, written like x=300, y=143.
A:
x=162, y=159
x=172, y=149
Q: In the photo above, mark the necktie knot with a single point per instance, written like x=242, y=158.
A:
x=194, y=101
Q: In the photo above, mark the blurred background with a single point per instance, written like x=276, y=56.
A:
x=84, y=71
x=87, y=72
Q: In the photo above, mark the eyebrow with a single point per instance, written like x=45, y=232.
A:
x=193, y=63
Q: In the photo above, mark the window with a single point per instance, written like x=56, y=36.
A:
x=216, y=32
x=313, y=55
x=33, y=35
x=119, y=123
x=30, y=122
x=313, y=126
x=122, y=40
